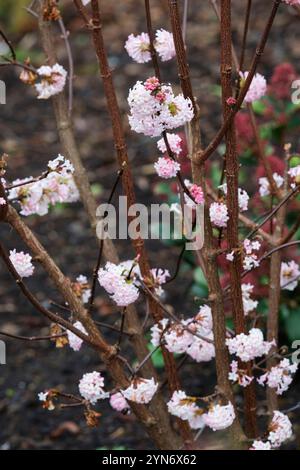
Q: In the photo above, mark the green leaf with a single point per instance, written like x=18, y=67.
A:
x=292, y=325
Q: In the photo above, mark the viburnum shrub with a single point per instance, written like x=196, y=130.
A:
x=247, y=263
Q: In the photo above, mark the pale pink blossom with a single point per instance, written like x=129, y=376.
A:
x=174, y=141
x=243, y=197
x=249, y=346
x=57, y=187
x=118, y=281
x=91, y=387
x=295, y=173
x=164, y=44
x=204, y=320
x=138, y=47
x=154, y=108
x=219, y=416
x=218, y=213
x=160, y=277
x=22, y=263
x=251, y=260
x=53, y=80
x=279, y=377
x=84, y=288
x=118, y=402
x=201, y=350
x=248, y=303
x=257, y=88
x=239, y=376
x=141, y=390
x=2, y=201
x=280, y=429
x=264, y=185
x=185, y=408
x=166, y=167
x=74, y=341
x=157, y=332
x=260, y=445
x=289, y=275
x=177, y=338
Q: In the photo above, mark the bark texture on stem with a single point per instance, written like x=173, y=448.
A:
x=232, y=172
x=209, y=249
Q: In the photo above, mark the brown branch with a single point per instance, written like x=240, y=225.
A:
x=245, y=34
x=122, y=157
x=232, y=171
x=209, y=256
x=205, y=154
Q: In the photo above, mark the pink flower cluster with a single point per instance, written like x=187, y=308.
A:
x=140, y=390
x=250, y=260
x=174, y=142
x=2, y=201
x=218, y=214
x=154, y=108
x=82, y=288
x=166, y=168
x=248, y=303
x=280, y=430
x=257, y=88
x=185, y=408
x=118, y=281
x=248, y=347
x=219, y=416
x=138, y=47
x=53, y=80
x=239, y=376
x=75, y=342
x=22, y=263
x=196, y=192
x=118, y=402
x=289, y=275
x=91, y=387
x=243, y=197
x=264, y=185
x=57, y=187
x=182, y=337
x=295, y=173
x=279, y=377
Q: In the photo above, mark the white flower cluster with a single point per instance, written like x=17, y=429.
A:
x=239, y=376
x=248, y=303
x=289, y=275
x=279, y=377
x=219, y=417
x=22, y=263
x=218, y=214
x=248, y=347
x=185, y=408
x=182, y=337
x=57, y=186
x=140, y=390
x=138, y=47
x=91, y=387
x=264, y=185
x=75, y=342
x=118, y=281
x=250, y=258
x=243, y=197
x=53, y=80
x=154, y=108
x=280, y=431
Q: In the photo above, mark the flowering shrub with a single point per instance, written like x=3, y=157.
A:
x=242, y=272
